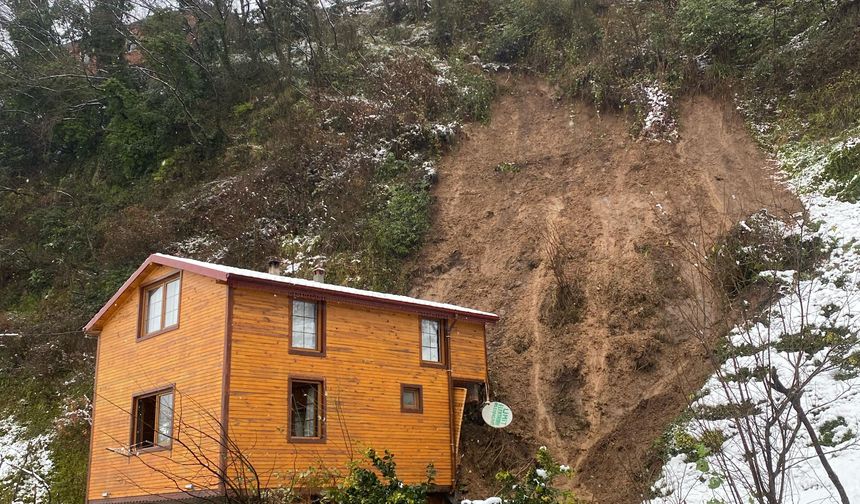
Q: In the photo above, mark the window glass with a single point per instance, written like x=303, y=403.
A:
x=153, y=309
x=171, y=309
x=144, y=432
x=153, y=422
x=304, y=325
x=304, y=407
x=430, y=341
x=165, y=418
x=162, y=306
x=411, y=398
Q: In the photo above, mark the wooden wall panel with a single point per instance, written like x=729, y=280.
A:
x=190, y=357
x=369, y=354
x=468, y=355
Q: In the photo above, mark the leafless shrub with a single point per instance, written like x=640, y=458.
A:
x=565, y=302
x=206, y=463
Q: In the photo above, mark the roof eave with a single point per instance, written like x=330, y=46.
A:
x=364, y=299
x=94, y=326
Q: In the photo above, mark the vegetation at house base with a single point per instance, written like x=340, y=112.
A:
x=538, y=484
x=378, y=483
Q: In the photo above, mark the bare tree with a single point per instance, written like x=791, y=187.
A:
x=208, y=464
x=749, y=428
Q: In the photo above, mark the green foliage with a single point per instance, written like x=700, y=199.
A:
x=507, y=167
x=696, y=450
x=378, y=483
x=745, y=374
x=509, y=36
x=760, y=244
x=827, y=435
x=728, y=29
x=849, y=366
x=843, y=167
x=727, y=411
x=834, y=164
x=812, y=340
x=475, y=92
x=136, y=134
x=397, y=228
x=676, y=440
x=537, y=485
x=68, y=477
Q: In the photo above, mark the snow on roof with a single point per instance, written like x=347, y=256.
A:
x=224, y=273
x=329, y=288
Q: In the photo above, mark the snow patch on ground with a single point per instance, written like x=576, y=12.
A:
x=659, y=124
x=23, y=460
x=808, y=164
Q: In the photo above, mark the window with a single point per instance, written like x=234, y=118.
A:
x=307, y=410
x=431, y=341
x=307, y=326
x=161, y=306
x=410, y=399
x=153, y=420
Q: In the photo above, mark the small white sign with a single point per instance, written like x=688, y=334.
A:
x=497, y=415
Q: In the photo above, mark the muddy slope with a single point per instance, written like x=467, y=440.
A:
x=597, y=390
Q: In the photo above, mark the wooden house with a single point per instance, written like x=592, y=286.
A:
x=210, y=377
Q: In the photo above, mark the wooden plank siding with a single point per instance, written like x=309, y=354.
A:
x=468, y=351
x=369, y=353
x=189, y=357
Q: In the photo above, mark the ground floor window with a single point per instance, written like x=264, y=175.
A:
x=411, y=400
x=153, y=420
x=307, y=409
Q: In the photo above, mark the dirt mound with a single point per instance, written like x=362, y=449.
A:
x=599, y=387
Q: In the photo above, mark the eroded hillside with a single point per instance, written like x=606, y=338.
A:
x=599, y=388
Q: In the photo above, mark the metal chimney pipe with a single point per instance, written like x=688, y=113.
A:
x=274, y=266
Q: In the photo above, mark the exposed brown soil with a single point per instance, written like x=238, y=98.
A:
x=598, y=390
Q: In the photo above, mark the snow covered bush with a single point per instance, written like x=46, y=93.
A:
x=24, y=464
x=760, y=244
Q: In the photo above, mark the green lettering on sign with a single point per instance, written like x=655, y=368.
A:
x=497, y=414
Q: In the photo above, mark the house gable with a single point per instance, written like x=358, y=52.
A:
x=188, y=360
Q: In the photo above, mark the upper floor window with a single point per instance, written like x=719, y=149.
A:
x=153, y=420
x=161, y=306
x=307, y=326
x=431, y=341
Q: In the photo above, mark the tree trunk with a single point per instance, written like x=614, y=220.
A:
x=794, y=398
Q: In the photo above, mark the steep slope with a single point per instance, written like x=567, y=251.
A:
x=597, y=391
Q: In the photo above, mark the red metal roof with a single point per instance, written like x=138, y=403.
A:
x=324, y=290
